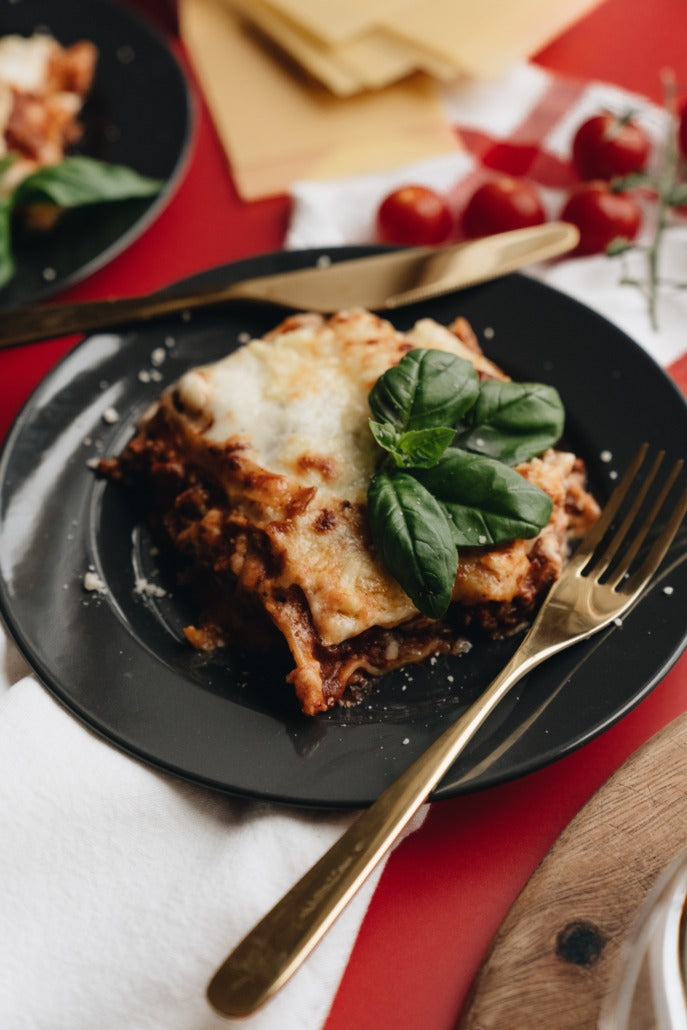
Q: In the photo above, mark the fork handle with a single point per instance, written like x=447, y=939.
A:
x=277, y=946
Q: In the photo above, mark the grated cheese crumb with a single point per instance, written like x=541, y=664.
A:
x=144, y=586
x=667, y=590
x=110, y=415
x=93, y=583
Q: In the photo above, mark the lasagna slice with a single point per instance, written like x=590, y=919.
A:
x=256, y=469
x=42, y=90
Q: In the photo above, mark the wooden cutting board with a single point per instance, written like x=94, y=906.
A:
x=551, y=961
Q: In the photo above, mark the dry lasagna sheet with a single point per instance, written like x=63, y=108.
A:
x=256, y=469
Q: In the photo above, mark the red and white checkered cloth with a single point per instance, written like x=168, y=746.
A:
x=523, y=125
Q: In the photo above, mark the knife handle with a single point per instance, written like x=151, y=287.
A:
x=30, y=324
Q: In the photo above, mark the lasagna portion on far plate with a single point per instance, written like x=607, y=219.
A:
x=256, y=469
x=43, y=86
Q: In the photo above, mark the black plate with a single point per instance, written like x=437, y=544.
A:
x=118, y=660
x=138, y=114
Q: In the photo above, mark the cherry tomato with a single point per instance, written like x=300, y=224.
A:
x=414, y=215
x=601, y=216
x=500, y=205
x=682, y=130
x=606, y=146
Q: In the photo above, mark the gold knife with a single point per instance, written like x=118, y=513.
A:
x=380, y=283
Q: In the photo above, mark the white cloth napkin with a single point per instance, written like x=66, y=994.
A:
x=122, y=888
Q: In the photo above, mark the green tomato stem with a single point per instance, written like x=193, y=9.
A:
x=667, y=178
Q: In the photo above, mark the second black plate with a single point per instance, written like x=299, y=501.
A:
x=138, y=115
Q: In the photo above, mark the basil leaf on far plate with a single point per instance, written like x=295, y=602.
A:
x=6, y=258
x=486, y=501
x=427, y=389
x=413, y=537
x=513, y=421
x=83, y=180
x=7, y=160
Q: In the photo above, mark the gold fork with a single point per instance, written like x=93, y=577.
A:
x=597, y=585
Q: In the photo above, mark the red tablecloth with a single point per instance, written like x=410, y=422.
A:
x=447, y=888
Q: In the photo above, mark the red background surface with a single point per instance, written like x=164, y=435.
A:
x=447, y=888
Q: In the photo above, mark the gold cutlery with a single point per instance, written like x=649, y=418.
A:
x=599, y=584
x=380, y=282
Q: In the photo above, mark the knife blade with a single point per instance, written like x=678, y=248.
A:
x=381, y=282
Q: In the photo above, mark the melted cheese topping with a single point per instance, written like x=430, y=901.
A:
x=24, y=62
x=292, y=410
x=298, y=399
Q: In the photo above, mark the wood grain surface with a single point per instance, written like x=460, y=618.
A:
x=550, y=964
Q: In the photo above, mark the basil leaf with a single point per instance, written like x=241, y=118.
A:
x=418, y=448
x=486, y=501
x=7, y=160
x=385, y=435
x=413, y=537
x=6, y=258
x=513, y=421
x=427, y=389
x=422, y=448
x=83, y=180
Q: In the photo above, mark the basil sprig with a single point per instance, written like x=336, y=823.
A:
x=446, y=480
x=74, y=182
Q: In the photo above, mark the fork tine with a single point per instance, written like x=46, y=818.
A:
x=594, y=537
x=657, y=553
x=602, y=563
x=640, y=536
